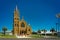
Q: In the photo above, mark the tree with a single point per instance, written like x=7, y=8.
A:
x=4, y=30
x=44, y=31
x=39, y=32
x=52, y=30
x=34, y=32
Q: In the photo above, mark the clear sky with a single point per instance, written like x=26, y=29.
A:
x=40, y=14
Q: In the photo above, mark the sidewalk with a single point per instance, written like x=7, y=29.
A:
x=49, y=37
x=22, y=36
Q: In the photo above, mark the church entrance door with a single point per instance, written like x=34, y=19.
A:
x=22, y=32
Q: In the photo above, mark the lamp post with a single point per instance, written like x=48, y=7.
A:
x=58, y=21
x=58, y=24
x=56, y=27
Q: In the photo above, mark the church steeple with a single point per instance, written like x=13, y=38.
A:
x=22, y=18
x=16, y=8
x=16, y=19
x=16, y=12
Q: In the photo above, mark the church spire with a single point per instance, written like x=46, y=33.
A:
x=16, y=8
x=22, y=17
x=16, y=12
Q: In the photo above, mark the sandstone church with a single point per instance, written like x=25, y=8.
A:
x=20, y=26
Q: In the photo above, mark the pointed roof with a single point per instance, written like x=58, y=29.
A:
x=16, y=11
x=22, y=18
x=16, y=8
x=29, y=24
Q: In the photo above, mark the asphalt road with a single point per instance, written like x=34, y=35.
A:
x=30, y=39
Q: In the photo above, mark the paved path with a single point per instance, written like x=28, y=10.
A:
x=49, y=37
x=30, y=39
x=22, y=36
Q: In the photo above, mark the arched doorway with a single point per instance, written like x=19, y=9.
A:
x=23, y=32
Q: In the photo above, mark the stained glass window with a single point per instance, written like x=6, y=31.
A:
x=22, y=24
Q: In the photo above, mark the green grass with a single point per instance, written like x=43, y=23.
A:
x=32, y=36
x=42, y=36
x=36, y=36
x=7, y=36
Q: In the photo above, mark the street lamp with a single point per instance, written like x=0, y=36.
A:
x=58, y=15
x=58, y=23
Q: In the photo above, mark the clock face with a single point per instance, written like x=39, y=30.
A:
x=22, y=24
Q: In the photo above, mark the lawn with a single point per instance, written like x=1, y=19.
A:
x=11, y=36
x=43, y=36
x=36, y=36
x=7, y=36
x=32, y=36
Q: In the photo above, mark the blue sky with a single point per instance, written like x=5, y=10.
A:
x=40, y=14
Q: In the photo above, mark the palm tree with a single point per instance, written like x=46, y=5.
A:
x=4, y=30
x=52, y=30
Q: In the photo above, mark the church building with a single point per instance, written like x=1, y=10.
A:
x=20, y=26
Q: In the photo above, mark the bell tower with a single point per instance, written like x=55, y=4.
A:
x=16, y=21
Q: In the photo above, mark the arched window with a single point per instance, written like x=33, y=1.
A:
x=15, y=24
x=14, y=18
x=29, y=29
x=22, y=24
x=17, y=18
